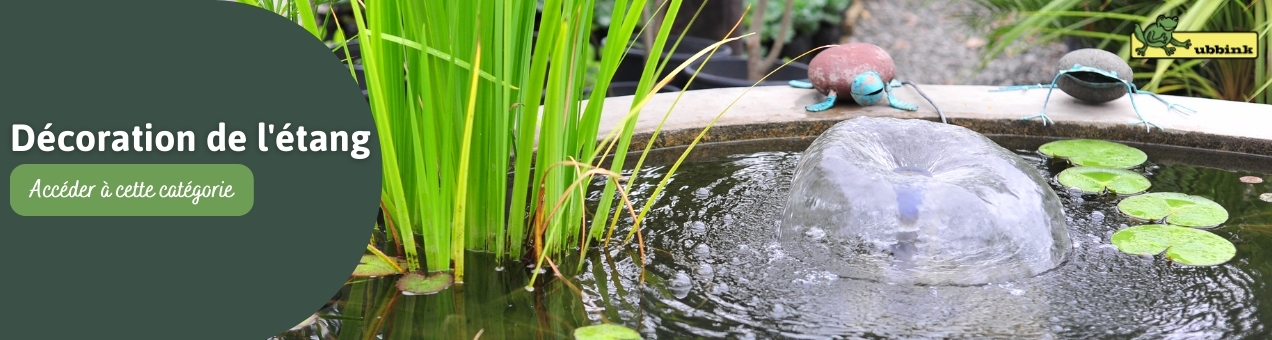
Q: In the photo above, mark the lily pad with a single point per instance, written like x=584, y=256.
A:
x=605, y=331
x=424, y=284
x=1095, y=179
x=1091, y=152
x=1183, y=245
x=1178, y=209
x=373, y=266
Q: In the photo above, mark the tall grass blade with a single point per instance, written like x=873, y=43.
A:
x=461, y=196
x=1001, y=40
x=1263, y=64
x=642, y=92
x=620, y=33
x=394, y=191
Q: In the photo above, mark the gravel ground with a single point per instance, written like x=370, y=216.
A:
x=932, y=44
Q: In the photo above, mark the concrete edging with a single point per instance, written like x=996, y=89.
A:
x=777, y=111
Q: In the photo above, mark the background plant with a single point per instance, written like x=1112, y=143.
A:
x=777, y=22
x=758, y=62
x=807, y=16
x=1108, y=25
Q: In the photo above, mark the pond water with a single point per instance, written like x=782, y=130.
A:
x=712, y=269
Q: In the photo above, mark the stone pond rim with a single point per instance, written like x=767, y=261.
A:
x=778, y=111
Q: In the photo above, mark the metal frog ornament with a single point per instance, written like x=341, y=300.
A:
x=1095, y=76
x=864, y=71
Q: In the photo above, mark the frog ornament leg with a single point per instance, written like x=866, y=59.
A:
x=867, y=89
x=1130, y=88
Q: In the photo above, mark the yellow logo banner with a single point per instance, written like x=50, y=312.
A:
x=1195, y=45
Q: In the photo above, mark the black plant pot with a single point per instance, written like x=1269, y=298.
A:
x=597, y=38
x=628, y=88
x=344, y=17
x=353, y=49
x=543, y=97
x=826, y=34
x=722, y=72
x=798, y=45
x=360, y=76
x=634, y=64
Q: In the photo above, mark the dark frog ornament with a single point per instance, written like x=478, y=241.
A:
x=862, y=70
x=1095, y=76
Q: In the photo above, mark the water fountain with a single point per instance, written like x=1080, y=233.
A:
x=903, y=200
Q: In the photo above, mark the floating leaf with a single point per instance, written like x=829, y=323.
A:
x=424, y=284
x=1266, y=197
x=1091, y=152
x=1178, y=209
x=1183, y=245
x=1095, y=179
x=605, y=332
x=373, y=266
x=1251, y=179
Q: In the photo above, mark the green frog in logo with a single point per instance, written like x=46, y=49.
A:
x=1160, y=34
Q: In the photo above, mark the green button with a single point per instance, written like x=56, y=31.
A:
x=131, y=190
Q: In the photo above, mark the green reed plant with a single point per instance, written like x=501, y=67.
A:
x=618, y=141
x=298, y=11
x=461, y=96
x=1109, y=23
x=463, y=100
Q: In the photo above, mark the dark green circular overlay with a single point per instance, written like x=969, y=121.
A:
x=180, y=66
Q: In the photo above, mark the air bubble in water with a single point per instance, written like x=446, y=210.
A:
x=815, y=233
x=680, y=285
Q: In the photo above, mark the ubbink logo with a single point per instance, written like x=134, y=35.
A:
x=1159, y=40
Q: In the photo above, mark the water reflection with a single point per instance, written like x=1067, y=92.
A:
x=714, y=270
x=756, y=290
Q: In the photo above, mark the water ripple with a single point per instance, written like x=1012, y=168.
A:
x=728, y=278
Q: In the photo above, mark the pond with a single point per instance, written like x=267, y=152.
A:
x=712, y=269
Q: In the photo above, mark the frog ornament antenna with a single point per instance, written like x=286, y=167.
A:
x=868, y=66
x=1095, y=76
